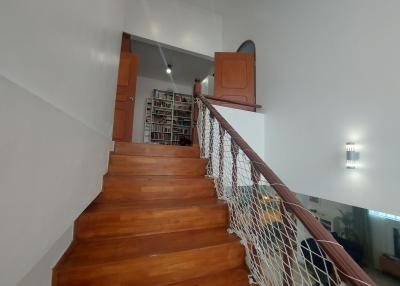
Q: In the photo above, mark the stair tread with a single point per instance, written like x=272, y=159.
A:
x=157, y=149
x=118, y=249
x=232, y=277
x=113, y=154
x=156, y=177
x=136, y=188
x=156, y=165
x=150, y=205
x=159, y=146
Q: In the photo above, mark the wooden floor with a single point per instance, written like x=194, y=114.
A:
x=157, y=222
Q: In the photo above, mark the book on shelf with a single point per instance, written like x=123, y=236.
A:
x=160, y=136
x=168, y=118
x=163, y=95
x=162, y=104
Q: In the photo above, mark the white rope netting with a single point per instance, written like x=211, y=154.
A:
x=279, y=249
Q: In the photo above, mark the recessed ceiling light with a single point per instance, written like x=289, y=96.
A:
x=168, y=70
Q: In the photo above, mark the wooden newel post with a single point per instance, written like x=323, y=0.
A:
x=196, y=87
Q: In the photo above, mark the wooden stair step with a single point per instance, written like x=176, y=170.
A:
x=161, y=259
x=110, y=250
x=150, y=217
x=164, y=166
x=125, y=187
x=234, y=277
x=156, y=150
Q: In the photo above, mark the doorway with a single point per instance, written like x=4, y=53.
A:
x=158, y=105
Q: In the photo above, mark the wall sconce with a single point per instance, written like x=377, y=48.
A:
x=352, y=156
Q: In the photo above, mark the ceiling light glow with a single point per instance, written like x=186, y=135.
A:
x=168, y=70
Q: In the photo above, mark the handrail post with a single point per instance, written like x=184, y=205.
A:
x=234, y=153
x=287, y=255
x=255, y=176
x=221, y=160
x=195, y=135
x=211, y=146
x=255, y=179
x=203, y=129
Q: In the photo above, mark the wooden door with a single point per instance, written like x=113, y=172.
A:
x=234, y=78
x=125, y=99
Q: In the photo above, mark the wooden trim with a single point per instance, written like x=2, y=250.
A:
x=126, y=43
x=332, y=248
x=232, y=101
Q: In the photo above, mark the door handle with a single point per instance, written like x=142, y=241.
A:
x=131, y=98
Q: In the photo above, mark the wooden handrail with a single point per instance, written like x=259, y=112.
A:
x=232, y=101
x=348, y=268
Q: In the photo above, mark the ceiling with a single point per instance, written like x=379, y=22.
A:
x=185, y=66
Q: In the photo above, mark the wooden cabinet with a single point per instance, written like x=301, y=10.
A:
x=390, y=265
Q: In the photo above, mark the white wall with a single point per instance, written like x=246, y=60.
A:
x=144, y=90
x=175, y=23
x=41, y=272
x=207, y=85
x=246, y=123
x=327, y=73
x=58, y=68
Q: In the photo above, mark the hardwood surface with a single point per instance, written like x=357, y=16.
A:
x=150, y=217
x=234, y=79
x=157, y=150
x=153, y=226
x=127, y=188
x=152, y=165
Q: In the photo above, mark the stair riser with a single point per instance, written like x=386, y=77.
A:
x=158, y=270
x=156, y=166
x=125, y=188
x=139, y=222
x=157, y=150
x=237, y=277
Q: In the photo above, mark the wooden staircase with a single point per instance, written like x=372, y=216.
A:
x=157, y=222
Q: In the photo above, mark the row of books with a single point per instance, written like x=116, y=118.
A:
x=161, y=128
x=181, y=131
x=163, y=104
x=161, y=136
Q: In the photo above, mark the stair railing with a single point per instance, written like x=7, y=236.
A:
x=284, y=242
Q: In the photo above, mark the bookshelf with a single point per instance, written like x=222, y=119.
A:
x=168, y=117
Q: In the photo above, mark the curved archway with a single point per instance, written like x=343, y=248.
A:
x=247, y=46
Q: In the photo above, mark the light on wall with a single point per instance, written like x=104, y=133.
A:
x=168, y=70
x=352, y=156
x=384, y=215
